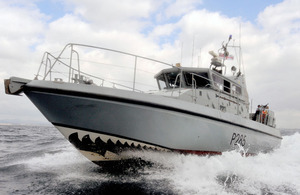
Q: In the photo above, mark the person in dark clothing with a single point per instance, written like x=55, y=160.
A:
x=257, y=112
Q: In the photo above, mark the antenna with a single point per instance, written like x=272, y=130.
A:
x=181, y=53
x=240, y=53
x=193, y=50
x=199, y=59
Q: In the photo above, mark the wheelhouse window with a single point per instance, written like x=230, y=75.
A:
x=218, y=81
x=169, y=80
x=173, y=79
x=222, y=84
x=236, y=90
x=162, y=84
x=200, y=79
x=227, y=86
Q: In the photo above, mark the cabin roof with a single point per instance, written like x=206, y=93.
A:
x=232, y=79
x=186, y=69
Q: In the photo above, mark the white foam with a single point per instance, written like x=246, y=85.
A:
x=67, y=157
x=230, y=173
x=276, y=172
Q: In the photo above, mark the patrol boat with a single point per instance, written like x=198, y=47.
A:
x=194, y=110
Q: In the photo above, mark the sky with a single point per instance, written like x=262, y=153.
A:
x=163, y=29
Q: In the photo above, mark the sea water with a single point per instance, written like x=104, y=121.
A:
x=39, y=160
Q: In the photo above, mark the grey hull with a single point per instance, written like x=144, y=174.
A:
x=120, y=119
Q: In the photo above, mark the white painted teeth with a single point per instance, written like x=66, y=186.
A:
x=93, y=136
x=105, y=138
x=81, y=134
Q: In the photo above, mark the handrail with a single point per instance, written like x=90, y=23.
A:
x=49, y=61
x=117, y=51
x=193, y=74
x=56, y=60
x=179, y=74
x=194, y=87
x=99, y=78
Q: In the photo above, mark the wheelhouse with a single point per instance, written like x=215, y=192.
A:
x=196, y=78
x=183, y=78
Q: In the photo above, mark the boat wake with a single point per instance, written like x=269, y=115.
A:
x=60, y=169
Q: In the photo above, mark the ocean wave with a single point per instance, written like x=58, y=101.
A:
x=56, y=167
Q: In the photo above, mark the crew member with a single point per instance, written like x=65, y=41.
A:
x=257, y=112
x=265, y=114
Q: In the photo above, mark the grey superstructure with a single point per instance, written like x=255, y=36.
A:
x=195, y=110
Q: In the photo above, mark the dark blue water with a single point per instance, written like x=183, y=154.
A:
x=38, y=160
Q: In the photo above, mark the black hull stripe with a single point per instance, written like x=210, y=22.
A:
x=136, y=102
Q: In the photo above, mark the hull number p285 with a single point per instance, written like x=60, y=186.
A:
x=238, y=139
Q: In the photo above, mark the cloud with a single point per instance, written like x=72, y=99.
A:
x=275, y=45
x=181, y=7
x=119, y=15
x=20, y=32
x=285, y=14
